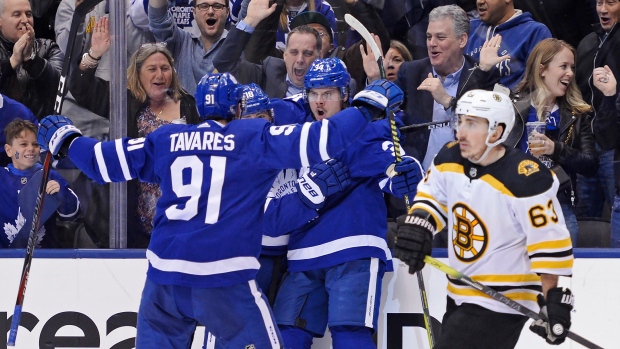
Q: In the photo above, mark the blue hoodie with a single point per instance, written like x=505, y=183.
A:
x=519, y=36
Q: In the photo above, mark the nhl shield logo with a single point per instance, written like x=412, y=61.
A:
x=473, y=172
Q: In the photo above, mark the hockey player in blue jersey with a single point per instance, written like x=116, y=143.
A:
x=337, y=261
x=18, y=194
x=203, y=250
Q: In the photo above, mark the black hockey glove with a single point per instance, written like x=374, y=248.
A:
x=322, y=180
x=414, y=241
x=555, y=314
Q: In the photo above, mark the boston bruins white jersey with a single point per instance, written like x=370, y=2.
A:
x=504, y=222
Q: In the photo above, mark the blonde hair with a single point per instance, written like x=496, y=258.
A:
x=532, y=82
x=135, y=64
x=284, y=15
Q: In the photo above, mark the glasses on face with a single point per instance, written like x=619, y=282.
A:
x=216, y=7
x=325, y=96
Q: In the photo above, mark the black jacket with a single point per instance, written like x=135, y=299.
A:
x=574, y=147
x=418, y=105
x=35, y=82
x=607, y=130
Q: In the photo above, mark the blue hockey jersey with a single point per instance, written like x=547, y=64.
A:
x=352, y=224
x=14, y=218
x=214, y=180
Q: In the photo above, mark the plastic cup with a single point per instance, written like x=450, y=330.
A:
x=535, y=127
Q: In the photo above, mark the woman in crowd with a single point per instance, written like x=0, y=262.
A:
x=395, y=56
x=154, y=98
x=548, y=93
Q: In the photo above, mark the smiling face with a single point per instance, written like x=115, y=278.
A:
x=608, y=13
x=301, y=51
x=445, y=49
x=559, y=73
x=211, y=22
x=324, y=102
x=23, y=150
x=156, y=76
x=13, y=19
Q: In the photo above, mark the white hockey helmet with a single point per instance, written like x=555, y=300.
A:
x=496, y=107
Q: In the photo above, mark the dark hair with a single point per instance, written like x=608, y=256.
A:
x=16, y=127
x=306, y=29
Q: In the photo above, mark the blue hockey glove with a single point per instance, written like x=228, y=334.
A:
x=376, y=98
x=555, y=314
x=414, y=240
x=322, y=180
x=405, y=176
x=54, y=130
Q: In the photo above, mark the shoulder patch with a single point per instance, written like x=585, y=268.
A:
x=527, y=167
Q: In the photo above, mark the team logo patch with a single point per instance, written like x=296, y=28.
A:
x=469, y=234
x=527, y=167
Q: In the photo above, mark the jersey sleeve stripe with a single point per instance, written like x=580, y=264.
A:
x=552, y=264
x=202, y=268
x=103, y=169
x=122, y=159
x=551, y=246
x=467, y=291
x=339, y=245
x=431, y=199
x=499, y=186
x=277, y=241
x=323, y=140
x=303, y=145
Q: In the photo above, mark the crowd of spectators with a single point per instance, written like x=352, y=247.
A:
x=435, y=51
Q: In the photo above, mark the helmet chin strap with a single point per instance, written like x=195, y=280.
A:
x=488, y=150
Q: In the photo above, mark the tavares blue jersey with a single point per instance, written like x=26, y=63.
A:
x=214, y=180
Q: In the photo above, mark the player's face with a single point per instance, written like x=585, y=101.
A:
x=445, y=49
x=392, y=62
x=24, y=150
x=210, y=21
x=299, y=54
x=156, y=76
x=493, y=11
x=326, y=45
x=324, y=102
x=559, y=73
x=472, y=134
x=14, y=18
x=608, y=13
x=263, y=114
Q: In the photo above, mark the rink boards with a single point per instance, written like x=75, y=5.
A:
x=89, y=299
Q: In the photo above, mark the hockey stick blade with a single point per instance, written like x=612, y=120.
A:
x=455, y=274
x=77, y=19
x=370, y=41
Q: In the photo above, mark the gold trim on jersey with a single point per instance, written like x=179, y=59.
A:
x=450, y=167
x=504, y=278
x=467, y=291
x=495, y=183
x=423, y=195
x=552, y=264
x=549, y=245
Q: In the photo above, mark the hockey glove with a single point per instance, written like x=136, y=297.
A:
x=414, y=241
x=378, y=96
x=322, y=180
x=54, y=130
x=555, y=314
x=405, y=176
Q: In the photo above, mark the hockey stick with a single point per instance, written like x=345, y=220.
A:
x=429, y=125
x=77, y=19
x=455, y=274
x=370, y=42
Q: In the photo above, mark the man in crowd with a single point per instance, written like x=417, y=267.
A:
x=29, y=67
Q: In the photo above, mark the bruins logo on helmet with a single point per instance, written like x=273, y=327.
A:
x=469, y=234
x=527, y=167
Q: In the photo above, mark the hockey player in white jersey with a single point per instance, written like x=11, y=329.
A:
x=505, y=230
x=214, y=179
x=337, y=261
